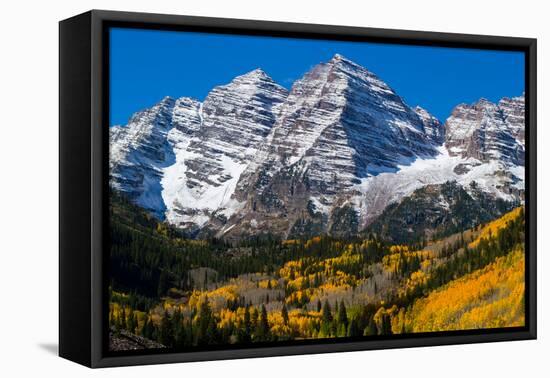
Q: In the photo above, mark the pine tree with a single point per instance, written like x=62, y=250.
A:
x=150, y=330
x=166, y=334
x=145, y=327
x=212, y=332
x=384, y=327
x=263, y=325
x=342, y=315
x=181, y=336
x=130, y=322
x=327, y=315
x=163, y=284
x=204, y=318
x=177, y=317
x=112, y=320
x=123, y=319
x=254, y=318
x=247, y=323
x=353, y=328
x=118, y=323
x=370, y=329
x=284, y=314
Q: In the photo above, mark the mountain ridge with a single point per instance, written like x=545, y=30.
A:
x=254, y=157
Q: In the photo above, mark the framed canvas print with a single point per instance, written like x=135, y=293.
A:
x=234, y=188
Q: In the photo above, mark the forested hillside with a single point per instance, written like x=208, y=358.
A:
x=487, y=298
x=182, y=292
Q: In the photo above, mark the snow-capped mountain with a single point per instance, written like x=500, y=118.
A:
x=181, y=159
x=139, y=155
x=488, y=131
x=235, y=120
x=339, y=124
x=483, y=142
x=335, y=150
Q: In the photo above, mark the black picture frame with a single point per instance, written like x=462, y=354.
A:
x=83, y=181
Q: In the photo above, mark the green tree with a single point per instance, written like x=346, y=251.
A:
x=130, y=323
x=145, y=327
x=370, y=329
x=353, y=328
x=164, y=284
x=327, y=315
x=123, y=318
x=254, y=318
x=166, y=335
x=247, y=324
x=181, y=336
x=263, y=325
x=342, y=315
x=203, y=323
x=284, y=314
x=112, y=319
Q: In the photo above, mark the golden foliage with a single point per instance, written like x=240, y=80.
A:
x=492, y=227
x=398, y=253
x=487, y=298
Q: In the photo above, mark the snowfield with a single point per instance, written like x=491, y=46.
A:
x=379, y=191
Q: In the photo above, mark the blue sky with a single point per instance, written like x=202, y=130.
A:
x=147, y=65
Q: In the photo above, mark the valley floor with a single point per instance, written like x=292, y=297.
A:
x=186, y=293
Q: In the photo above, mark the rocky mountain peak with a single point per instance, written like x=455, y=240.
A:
x=235, y=119
x=342, y=61
x=250, y=81
x=326, y=156
x=337, y=58
x=432, y=126
x=339, y=125
x=486, y=131
x=483, y=102
x=256, y=74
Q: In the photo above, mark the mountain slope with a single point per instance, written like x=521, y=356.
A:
x=492, y=297
x=235, y=120
x=139, y=153
x=437, y=210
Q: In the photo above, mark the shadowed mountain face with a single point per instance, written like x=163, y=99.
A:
x=327, y=157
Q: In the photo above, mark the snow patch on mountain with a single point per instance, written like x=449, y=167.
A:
x=378, y=192
x=194, y=204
